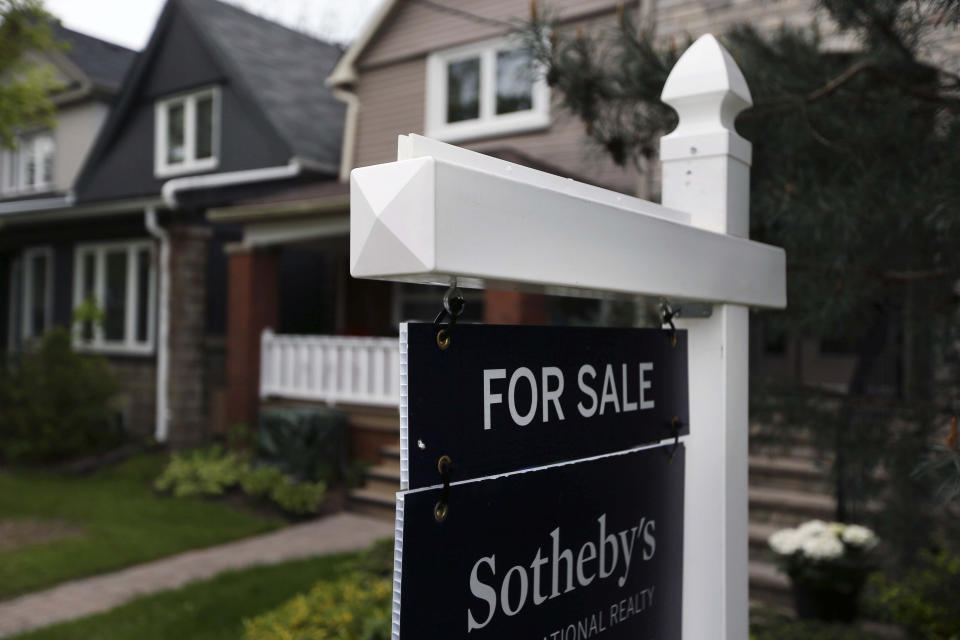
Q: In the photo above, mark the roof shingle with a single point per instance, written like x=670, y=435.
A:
x=104, y=63
x=284, y=71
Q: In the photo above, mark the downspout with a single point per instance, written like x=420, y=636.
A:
x=163, y=325
x=230, y=178
x=349, y=131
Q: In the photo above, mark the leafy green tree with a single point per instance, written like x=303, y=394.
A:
x=855, y=174
x=24, y=86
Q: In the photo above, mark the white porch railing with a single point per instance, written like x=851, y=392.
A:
x=330, y=369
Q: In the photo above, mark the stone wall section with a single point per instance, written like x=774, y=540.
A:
x=188, y=292
x=136, y=398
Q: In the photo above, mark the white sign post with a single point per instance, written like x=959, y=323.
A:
x=442, y=214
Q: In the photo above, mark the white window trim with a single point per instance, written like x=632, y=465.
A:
x=129, y=345
x=489, y=123
x=27, y=145
x=26, y=287
x=190, y=164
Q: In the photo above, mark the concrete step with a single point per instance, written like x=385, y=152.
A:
x=759, y=533
x=780, y=472
x=788, y=507
x=384, y=477
x=379, y=421
x=391, y=451
x=768, y=585
x=371, y=502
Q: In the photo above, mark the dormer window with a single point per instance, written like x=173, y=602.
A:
x=485, y=89
x=28, y=166
x=187, y=132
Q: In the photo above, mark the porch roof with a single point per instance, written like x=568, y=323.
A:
x=320, y=197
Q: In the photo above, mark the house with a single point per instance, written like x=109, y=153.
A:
x=455, y=72
x=221, y=105
x=37, y=176
x=452, y=71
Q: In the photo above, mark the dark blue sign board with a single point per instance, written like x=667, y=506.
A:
x=572, y=551
x=501, y=398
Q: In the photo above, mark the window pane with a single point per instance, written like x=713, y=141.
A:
x=38, y=295
x=175, y=135
x=463, y=90
x=30, y=168
x=514, y=81
x=116, y=294
x=204, y=142
x=89, y=266
x=143, y=294
x=46, y=159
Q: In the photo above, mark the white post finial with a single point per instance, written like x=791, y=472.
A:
x=708, y=90
x=706, y=172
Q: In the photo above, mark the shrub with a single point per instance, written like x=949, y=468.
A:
x=299, y=498
x=352, y=608
x=56, y=403
x=204, y=472
x=213, y=471
x=924, y=602
x=260, y=482
x=766, y=624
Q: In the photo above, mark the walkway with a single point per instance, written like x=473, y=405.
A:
x=79, y=598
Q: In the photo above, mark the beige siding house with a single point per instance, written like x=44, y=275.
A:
x=395, y=76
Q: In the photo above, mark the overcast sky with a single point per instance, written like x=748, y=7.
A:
x=130, y=22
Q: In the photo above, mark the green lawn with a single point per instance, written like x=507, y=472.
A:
x=123, y=522
x=209, y=610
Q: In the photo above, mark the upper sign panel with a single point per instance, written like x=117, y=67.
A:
x=503, y=398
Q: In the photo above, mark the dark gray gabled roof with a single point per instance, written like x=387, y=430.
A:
x=283, y=71
x=104, y=63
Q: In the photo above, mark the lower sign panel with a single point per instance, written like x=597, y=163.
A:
x=569, y=552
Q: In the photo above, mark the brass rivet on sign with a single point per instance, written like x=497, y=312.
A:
x=440, y=511
x=443, y=464
x=443, y=338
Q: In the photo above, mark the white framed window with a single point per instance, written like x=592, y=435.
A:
x=485, y=89
x=187, y=132
x=37, y=291
x=28, y=166
x=121, y=279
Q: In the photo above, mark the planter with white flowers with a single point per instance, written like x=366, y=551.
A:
x=828, y=563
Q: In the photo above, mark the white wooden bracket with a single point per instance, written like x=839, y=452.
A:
x=442, y=213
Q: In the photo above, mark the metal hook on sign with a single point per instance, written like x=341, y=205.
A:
x=453, y=305
x=442, y=508
x=666, y=321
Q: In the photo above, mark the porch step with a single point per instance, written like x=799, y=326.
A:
x=373, y=502
x=759, y=533
x=374, y=419
x=384, y=477
x=768, y=585
x=788, y=507
x=378, y=496
x=391, y=451
x=776, y=471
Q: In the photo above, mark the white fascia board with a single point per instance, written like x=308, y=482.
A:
x=433, y=220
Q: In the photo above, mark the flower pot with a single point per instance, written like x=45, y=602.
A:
x=816, y=602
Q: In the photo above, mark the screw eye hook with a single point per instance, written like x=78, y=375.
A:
x=453, y=306
x=667, y=314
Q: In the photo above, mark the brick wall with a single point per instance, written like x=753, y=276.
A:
x=137, y=395
x=187, y=392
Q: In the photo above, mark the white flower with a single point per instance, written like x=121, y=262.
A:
x=785, y=542
x=812, y=528
x=859, y=536
x=825, y=546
